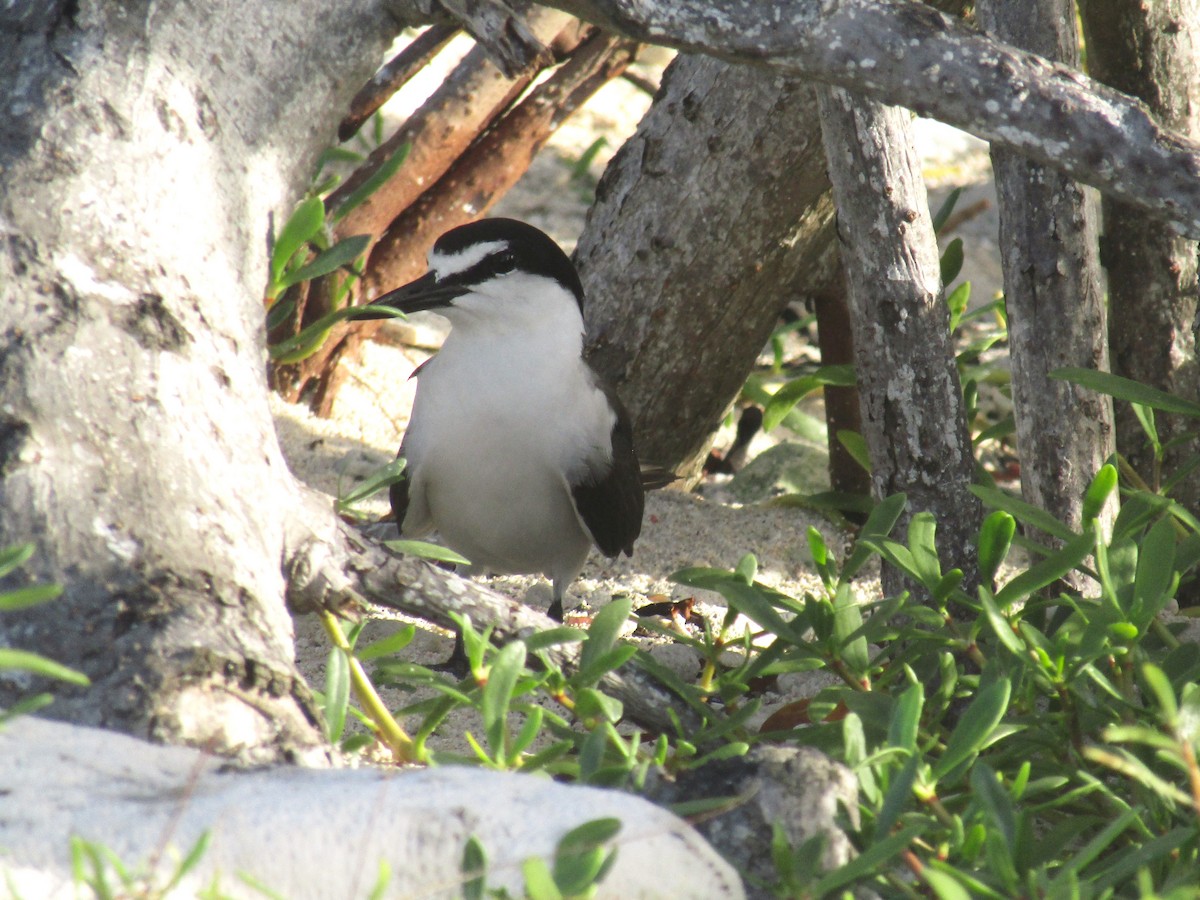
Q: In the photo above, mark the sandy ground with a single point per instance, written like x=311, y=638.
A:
x=679, y=530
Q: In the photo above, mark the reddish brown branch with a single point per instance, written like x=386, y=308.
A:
x=394, y=75
x=473, y=184
x=496, y=162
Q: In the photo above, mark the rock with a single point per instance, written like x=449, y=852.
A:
x=312, y=832
x=793, y=467
x=799, y=788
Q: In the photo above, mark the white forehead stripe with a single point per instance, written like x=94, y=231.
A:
x=454, y=263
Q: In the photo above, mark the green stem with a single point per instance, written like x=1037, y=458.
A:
x=388, y=729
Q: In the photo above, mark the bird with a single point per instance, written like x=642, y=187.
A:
x=519, y=454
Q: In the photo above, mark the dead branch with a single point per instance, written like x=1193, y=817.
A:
x=472, y=185
x=505, y=32
x=340, y=566
x=483, y=174
x=908, y=54
x=396, y=73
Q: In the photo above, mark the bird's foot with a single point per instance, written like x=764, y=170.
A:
x=457, y=665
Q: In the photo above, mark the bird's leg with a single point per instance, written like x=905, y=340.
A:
x=457, y=663
x=556, y=605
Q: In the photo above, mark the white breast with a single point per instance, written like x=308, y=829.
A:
x=502, y=420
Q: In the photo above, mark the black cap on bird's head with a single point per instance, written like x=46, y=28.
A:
x=475, y=254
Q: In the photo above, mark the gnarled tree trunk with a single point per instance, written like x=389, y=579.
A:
x=144, y=151
x=1053, y=291
x=913, y=417
x=1152, y=51
x=710, y=219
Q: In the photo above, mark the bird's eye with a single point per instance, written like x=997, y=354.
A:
x=505, y=262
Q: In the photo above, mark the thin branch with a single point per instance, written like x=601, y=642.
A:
x=325, y=571
x=394, y=75
x=908, y=54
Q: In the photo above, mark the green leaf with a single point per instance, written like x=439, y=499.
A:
x=497, y=693
x=847, y=622
x=747, y=568
x=374, y=182
x=873, y=859
x=1158, y=682
x=24, y=661
x=343, y=252
x=975, y=727
x=995, y=539
x=1046, y=572
x=373, y=483
x=1000, y=625
x=817, y=547
x=308, y=341
x=1188, y=724
x=751, y=602
x=386, y=646
x=530, y=729
x=539, y=883
x=922, y=529
x=856, y=446
x=794, y=391
x=552, y=637
x=944, y=885
x=279, y=312
x=189, y=862
x=898, y=796
x=952, y=260
x=1155, y=569
x=1124, y=865
x=1024, y=512
x=906, y=718
x=943, y=214
x=1098, y=844
x=426, y=550
x=878, y=525
x=33, y=595
x=581, y=855
x=591, y=703
x=1127, y=389
x=301, y=227
x=1099, y=491
x=1145, y=417
x=957, y=301
x=604, y=631
x=994, y=800
x=25, y=707
x=14, y=557
x=337, y=694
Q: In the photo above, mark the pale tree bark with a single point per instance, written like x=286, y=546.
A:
x=145, y=148
x=909, y=54
x=913, y=417
x=1151, y=51
x=707, y=222
x=1053, y=291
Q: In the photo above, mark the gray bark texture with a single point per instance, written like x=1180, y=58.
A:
x=1151, y=51
x=913, y=417
x=704, y=225
x=144, y=149
x=1053, y=291
x=333, y=567
x=906, y=53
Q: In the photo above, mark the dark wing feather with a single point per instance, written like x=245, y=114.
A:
x=610, y=498
x=398, y=494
